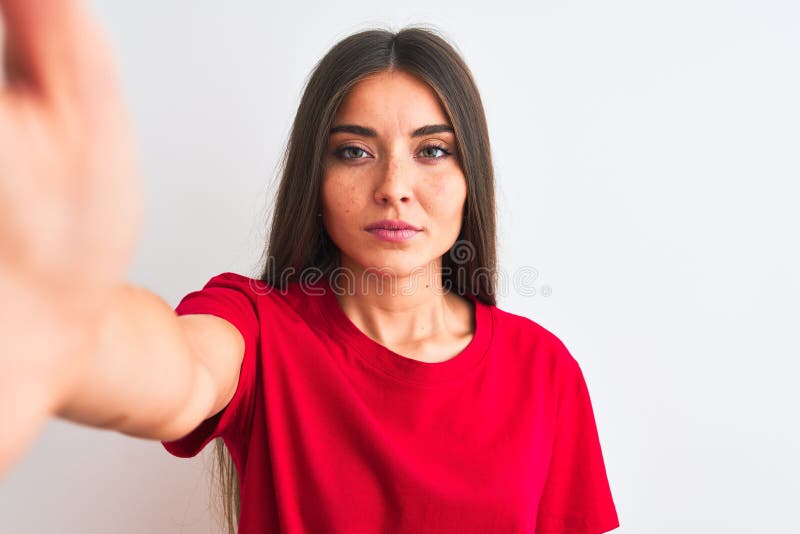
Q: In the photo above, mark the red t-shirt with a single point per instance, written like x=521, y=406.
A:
x=332, y=432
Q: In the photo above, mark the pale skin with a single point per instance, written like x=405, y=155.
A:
x=77, y=340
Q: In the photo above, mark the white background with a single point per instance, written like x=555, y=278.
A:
x=647, y=167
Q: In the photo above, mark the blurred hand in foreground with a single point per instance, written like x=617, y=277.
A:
x=69, y=205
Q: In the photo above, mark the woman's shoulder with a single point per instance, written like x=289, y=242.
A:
x=252, y=287
x=523, y=327
x=240, y=298
x=530, y=337
x=291, y=298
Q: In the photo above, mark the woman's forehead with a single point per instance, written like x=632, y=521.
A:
x=391, y=100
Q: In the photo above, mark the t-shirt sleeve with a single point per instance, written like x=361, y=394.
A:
x=576, y=498
x=231, y=297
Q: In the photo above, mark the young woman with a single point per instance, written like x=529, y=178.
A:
x=365, y=381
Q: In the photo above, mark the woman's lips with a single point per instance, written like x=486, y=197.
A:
x=394, y=236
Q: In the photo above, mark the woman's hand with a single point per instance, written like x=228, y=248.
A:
x=69, y=206
x=69, y=189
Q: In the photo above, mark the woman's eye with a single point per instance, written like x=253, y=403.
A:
x=351, y=152
x=428, y=152
x=433, y=151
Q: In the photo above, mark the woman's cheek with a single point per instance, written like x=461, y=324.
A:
x=447, y=189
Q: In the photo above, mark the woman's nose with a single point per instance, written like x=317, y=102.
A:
x=394, y=184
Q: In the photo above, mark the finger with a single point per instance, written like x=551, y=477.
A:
x=53, y=47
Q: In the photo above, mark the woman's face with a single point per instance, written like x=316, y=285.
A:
x=392, y=155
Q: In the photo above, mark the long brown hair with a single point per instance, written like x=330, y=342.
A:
x=298, y=241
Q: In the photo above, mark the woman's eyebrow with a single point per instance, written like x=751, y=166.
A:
x=369, y=132
x=432, y=129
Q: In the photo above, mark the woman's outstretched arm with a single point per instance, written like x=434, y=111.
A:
x=75, y=339
x=154, y=374
x=140, y=369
